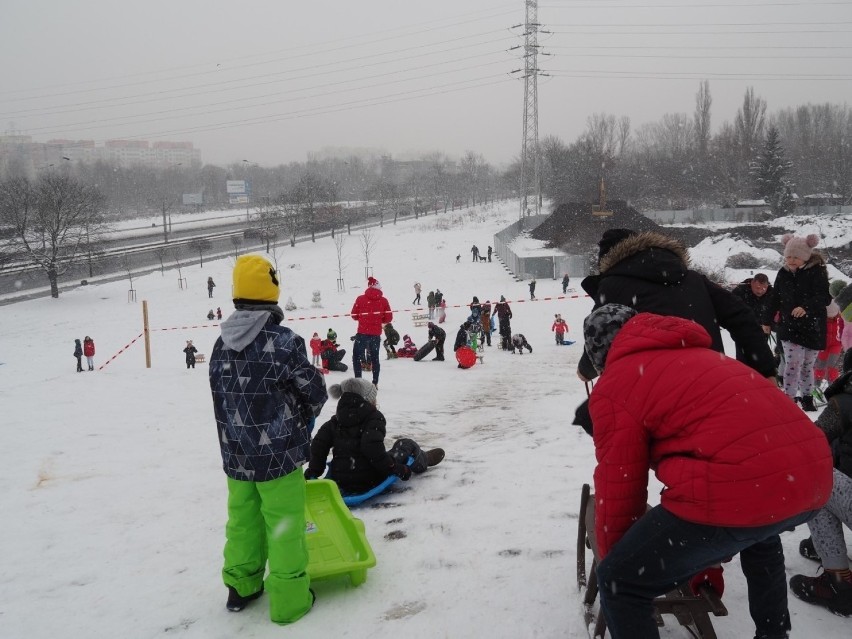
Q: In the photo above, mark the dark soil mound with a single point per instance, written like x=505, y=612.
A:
x=573, y=229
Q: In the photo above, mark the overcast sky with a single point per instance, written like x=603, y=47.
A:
x=273, y=80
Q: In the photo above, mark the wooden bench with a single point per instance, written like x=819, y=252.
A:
x=420, y=319
x=199, y=358
x=690, y=610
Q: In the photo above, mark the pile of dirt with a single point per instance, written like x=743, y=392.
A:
x=573, y=229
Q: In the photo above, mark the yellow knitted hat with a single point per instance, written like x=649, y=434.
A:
x=255, y=280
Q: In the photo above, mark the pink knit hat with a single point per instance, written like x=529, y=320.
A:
x=801, y=247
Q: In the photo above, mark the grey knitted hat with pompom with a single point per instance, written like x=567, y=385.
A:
x=356, y=385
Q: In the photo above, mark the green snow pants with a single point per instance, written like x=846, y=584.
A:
x=266, y=520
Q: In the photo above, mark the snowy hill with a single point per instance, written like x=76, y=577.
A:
x=114, y=497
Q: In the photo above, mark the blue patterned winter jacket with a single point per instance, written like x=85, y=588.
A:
x=265, y=392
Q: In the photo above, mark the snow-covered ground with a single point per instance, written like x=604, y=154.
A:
x=113, y=497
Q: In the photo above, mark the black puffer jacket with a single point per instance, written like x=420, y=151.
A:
x=806, y=287
x=836, y=422
x=650, y=272
x=356, y=434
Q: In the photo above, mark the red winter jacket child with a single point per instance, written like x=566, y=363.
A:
x=316, y=345
x=727, y=444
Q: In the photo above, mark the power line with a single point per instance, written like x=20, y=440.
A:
x=687, y=75
x=681, y=56
x=312, y=52
x=194, y=112
x=356, y=104
x=692, y=33
x=702, y=24
x=217, y=87
x=703, y=5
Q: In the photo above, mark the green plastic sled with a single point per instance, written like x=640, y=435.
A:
x=336, y=541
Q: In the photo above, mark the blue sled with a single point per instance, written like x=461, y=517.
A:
x=360, y=498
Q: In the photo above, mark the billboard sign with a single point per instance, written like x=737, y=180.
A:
x=235, y=186
x=192, y=198
x=238, y=199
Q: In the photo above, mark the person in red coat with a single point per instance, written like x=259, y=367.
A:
x=316, y=349
x=371, y=310
x=740, y=463
x=89, y=351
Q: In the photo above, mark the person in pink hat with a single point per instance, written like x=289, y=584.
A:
x=800, y=300
x=371, y=310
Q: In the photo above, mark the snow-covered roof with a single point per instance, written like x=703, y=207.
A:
x=751, y=203
x=823, y=196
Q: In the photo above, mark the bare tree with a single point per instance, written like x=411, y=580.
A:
x=268, y=220
x=749, y=125
x=126, y=262
x=236, y=243
x=165, y=195
x=339, y=242
x=311, y=189
x=176, y=257
x=160, y=252
x=382, y=192
x=200, y=245
x=292, y=221
x=701, y=118
x=368, y=244
x=54, y=220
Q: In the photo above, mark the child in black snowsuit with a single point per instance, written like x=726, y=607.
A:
x=519, y=342
x=391, y=340
x=461, y=337
x=355, y=436
x=78, y=353
x=190, y=351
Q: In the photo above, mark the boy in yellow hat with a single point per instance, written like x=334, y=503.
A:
x=266, y=395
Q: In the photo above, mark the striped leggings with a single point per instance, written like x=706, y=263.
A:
x=798, y=369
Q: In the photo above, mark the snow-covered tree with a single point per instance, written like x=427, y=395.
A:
x=769, y=172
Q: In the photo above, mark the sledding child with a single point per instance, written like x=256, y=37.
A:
x=391, y=340
x=560, y=327
x=330, y=357
x=316, y=349
x=520, y=343
x=408, y=348
x=355, y=436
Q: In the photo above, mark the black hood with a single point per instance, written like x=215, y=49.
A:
x=648, y=256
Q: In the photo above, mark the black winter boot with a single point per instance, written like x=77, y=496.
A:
x=807, y=550
x=825, y=590
x=434, y=456
x=236, y=603
x=807, y=402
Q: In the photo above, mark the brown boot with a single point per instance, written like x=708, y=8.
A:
x=434, y=456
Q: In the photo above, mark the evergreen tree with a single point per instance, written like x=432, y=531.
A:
x=769, y=174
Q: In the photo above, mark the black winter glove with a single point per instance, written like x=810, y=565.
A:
x=310, y=474
x=402, y=471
